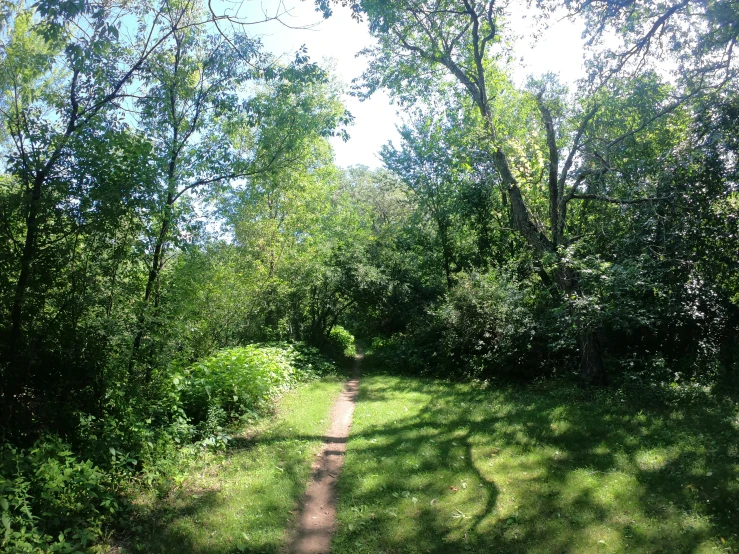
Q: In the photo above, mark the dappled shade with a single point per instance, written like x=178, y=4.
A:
x=438, y=467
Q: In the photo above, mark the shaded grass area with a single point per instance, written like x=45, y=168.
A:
x=440, y=467
x=243, y=500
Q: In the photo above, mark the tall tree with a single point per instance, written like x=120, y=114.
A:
x=461, y=40
x=190, y=96
x=699, y=36
x=225, y=120
x=64, y=67
x=430, y=164
x=426, y=45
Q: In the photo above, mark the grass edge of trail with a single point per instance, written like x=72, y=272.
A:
x=434, y=466
x=241, y=500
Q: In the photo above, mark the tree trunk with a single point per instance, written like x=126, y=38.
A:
x=446, y=252
x=473, y=78
x=592, y=368
x=15, y=376
x=153, y=275
x=29, y=253
x=729, y=349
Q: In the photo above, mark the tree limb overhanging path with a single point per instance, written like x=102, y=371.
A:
x=317, y=521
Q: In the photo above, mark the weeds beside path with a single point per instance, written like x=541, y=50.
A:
x=244, y=501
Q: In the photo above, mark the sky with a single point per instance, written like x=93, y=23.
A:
x=338, y=39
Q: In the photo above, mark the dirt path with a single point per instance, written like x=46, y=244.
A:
x=317, y=519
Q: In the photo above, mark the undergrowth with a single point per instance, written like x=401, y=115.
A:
x=62, y=495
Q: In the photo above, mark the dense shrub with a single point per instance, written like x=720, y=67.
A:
x=400, y=353
x=341, y=342
x=148, y=444
x=50, y=501
x=53, y=501
x=487, y=325
x=245, y=380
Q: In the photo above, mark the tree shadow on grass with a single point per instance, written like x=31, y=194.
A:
x=535, y=469
x=241, y=504
x=151, y=528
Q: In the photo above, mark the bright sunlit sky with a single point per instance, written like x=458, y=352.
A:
x=338, y=39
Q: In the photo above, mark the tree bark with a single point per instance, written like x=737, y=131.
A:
x=729, y=349
x=592, y=368
x=151, y=281
x=446, y=253
x=13, y=376
x=29, y=252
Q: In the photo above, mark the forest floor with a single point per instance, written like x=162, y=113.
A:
x=441, y=467
x=242, y=500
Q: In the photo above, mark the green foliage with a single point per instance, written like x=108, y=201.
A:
x=400, y=353
x=114, y=239
x=493, y=325
x=169, y=202
x=489, y=325
x=246, y=380
x=138, y=439
x=341, y=342
x=240, y=500
x=51, y=501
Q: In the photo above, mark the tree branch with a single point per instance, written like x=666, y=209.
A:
x=553, y=167
x=600, y=198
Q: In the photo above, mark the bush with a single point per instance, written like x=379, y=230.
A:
x=138, y=443
x=400, y=353
x=245, y=381
x=489, y=325
x=341, y=342
x=50, y=501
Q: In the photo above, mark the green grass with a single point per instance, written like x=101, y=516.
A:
x=242, y=500
x=546, y=468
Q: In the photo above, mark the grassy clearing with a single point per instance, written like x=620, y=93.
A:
x=439, y=467
x=242, y=501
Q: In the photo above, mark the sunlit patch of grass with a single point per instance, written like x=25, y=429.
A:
x=653, y=459
x=242, y=501
x=441, y=467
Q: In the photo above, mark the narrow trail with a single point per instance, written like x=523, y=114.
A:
x=317, y=520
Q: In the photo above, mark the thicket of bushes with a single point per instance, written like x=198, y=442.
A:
x=503, y=323
x=60, y=496
x=241, y=381
x=341, y=342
